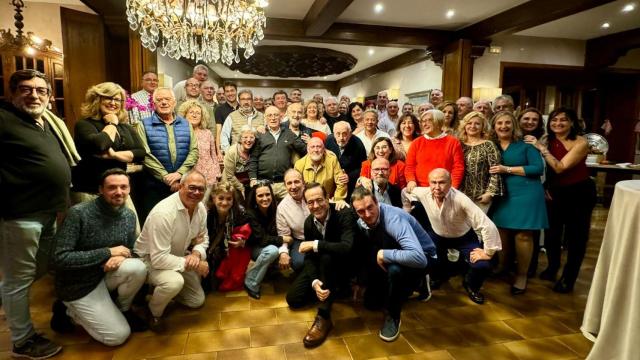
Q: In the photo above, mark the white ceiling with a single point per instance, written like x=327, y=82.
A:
x=586, y=25
x=288, y=9
x=428, y=14
x=361, y=53
x=60, y=2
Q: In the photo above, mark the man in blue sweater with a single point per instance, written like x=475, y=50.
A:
x=395, y=250
x=93, y=258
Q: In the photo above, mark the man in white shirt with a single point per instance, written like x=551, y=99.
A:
x=453, y=221
x=173, y=243
x=371, y=131
x=290, y=216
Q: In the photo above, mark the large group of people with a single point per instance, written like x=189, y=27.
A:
x=179, y=192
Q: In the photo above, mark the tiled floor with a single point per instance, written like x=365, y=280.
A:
x=540, y=325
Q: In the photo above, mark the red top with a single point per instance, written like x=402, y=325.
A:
x=574, y=175
x=396, y=173
x=425, y=155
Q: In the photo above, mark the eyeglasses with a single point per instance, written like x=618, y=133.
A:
x=196, y=189
x=28, y=90
x=193, y=85
x=111, y=98
x=379, y=170
x=150, y=80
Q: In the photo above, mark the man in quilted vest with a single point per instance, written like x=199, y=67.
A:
x=171, y=147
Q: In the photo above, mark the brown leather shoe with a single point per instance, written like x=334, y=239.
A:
x=318, y=332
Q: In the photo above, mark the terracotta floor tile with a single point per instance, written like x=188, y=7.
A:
x=432, y=318
x=155, y=346
x=261, y=353
x=572, y=320
x=92, y=350
x=201, y=356
x=433, y=355
x=497, y=351
x=370, y=346
x=538, y=327
x=334, y=349
x=269, y=302
x=576, y=342
x=250, y=318
x=286, y=315
x=177, y=323
x=208, y=341
x=537, y=349
x=488, y=333
x=278, y=334
x=349, y=327
x=432, y=339
x=470, y=314
x=222, y=304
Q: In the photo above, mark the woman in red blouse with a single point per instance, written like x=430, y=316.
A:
x=383, y=148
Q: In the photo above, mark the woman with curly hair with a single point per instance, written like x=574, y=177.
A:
x=407, y=130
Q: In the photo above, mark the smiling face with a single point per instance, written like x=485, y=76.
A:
x=370, y=122
x=247, y=139
x=150, y=82
x=560, y=124
x=294, y=184
x=164, y=102
x=436, y=97
x=230, y=93
x=194, y=115
x=342, y=108
x=317, y=203
x=272, y=115
x=312, y=110
x=31, y=97
x=246, y=102
x=110, y=104
x=393, y=109
x=367, y=209
x=407, y=127
x=332, y=107
x=529, y=122
x=315, y=150
x=263, y=198
x=428, y=127
x=473, y=128
x=464, y=106
x=356, y=113
x=296, y=96
x=280, y=101
x=115, y=190
x=223, y=202
x=503, y=126
x=382, y=99
x=258, y=102
x=381, y=149
x=192, y=88
x=448, y=115
x=192, y=190
x=407, y=109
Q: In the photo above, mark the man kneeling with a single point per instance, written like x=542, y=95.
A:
x=394, y=262
x=93, y=257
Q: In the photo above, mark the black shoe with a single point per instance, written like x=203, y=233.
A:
x=135, y=322
x=517, y=291
x=475, y=296
x=562, y=286
x=251, y=293
x=36, y=347
x=390, y=329
x=60, y=321
x=548, y=275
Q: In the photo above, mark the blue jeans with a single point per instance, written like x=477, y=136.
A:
x=297, y=258
x=25, y=247
x=263, y=257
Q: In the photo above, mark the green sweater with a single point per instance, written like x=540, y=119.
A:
x=83, y=242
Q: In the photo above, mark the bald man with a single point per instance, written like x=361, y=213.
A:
x=349, y=150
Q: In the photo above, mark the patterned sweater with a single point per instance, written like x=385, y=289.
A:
x=83, y=242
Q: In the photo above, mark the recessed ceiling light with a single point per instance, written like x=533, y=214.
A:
x=605, y=25
x=377, y=8
x=371, y=52
x=450, y=13
x=629, y=7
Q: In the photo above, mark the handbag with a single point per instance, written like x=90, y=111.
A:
x=232, y=268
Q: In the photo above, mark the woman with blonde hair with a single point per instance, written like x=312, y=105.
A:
x=104, y=140
x=236, y=161
x=479, y=155
x=207, y=164
x=313, y=117
x=450, y=111
x=521, y=210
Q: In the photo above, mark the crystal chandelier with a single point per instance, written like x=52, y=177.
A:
x=30, y=43
x=203, y=30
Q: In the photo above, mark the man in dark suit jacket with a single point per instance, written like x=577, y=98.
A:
x=378, y=183
x=329, y=233
x=349, y=150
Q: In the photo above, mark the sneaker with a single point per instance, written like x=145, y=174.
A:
x=390, y=329
x=36, y=347
x=60, y=321
x=424, y=291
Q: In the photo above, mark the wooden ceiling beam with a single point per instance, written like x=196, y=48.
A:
x=606, y=50
x=525, y=16
x=405, y=59
x=357, y=34
x=330, y=86
x=322, y=14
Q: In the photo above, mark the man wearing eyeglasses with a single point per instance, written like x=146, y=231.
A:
x=173, y=243
x=379, y=185
x=37, y=151
x=144, y=98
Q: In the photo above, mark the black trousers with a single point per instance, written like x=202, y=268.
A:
x=152, y=192
x=569, y=212
x=328, y=268
x=389, y=290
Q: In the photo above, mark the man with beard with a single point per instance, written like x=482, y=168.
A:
x=322, y=167
x=407, y=108
x=379, y=185
x=349, y=150
x=220, y=95
x=290, y=216
x=200, y=72
x=293, y=123
x=245, y=115
x=191, y=92
x=37, y=151
x=93, y=258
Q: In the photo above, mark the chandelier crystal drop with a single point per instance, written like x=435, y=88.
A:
x=202, y=30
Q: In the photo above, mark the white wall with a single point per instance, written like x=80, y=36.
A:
x=526, y=49
x=268, y=92
x=43, y=19
x=421, y=76
x=176, y=69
